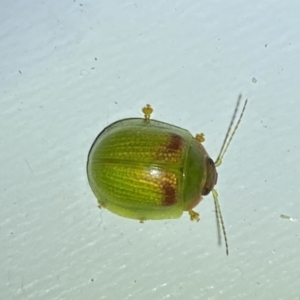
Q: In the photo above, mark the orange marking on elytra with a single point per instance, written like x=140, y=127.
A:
x=172, y=150
x=175, y=143
x=169, y=193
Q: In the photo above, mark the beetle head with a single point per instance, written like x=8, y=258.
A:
x=211, y=177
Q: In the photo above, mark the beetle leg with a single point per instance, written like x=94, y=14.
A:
x=101, y=205
x=200, y=137
x=147, y=110
x=194, y=216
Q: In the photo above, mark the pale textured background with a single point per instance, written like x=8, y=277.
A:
x=69, y=68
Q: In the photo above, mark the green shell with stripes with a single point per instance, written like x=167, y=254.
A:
x=147, y=170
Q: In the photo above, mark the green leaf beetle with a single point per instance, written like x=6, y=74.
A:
x=144, y=169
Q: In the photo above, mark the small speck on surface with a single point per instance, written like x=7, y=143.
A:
x=282, y=216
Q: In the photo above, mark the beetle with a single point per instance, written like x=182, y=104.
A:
x=145, y=169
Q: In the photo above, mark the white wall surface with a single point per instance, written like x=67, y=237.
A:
x=70, y=68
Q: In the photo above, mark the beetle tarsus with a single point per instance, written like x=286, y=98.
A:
x=101, y=205
x=147, y=110
x=194, y=216
x=200, y=137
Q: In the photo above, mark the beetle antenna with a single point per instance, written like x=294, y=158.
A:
x=219, y=214
x=228, y=137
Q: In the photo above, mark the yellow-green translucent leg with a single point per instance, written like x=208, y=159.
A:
x=200, y=137
x=147, y=110
x=194, y=216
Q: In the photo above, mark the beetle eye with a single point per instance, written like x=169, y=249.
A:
x=210, y=161
x=205, y=191
x=211, y=179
